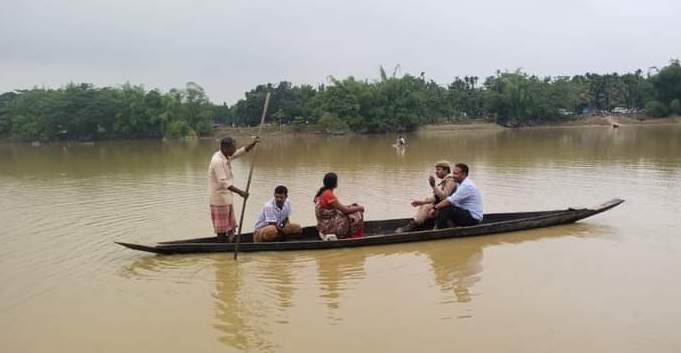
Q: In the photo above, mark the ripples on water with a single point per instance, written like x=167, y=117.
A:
x=62, y=206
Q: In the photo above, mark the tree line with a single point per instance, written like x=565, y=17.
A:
x=84, y=112
x=390, y=103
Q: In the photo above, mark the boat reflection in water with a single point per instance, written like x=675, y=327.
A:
x=242, y=319
x=264, y=298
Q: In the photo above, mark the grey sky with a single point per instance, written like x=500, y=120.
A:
x=229, y=46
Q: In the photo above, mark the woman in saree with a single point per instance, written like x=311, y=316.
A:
x=335, y=218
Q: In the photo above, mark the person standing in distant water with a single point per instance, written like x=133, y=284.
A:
x=221, y=187
x=401, y=141
x=464, y=206
x=335, y=218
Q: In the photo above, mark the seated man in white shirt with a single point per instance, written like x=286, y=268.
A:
x=464, y=207
x=273, y=221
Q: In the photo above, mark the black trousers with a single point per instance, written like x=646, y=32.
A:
x=456, y=215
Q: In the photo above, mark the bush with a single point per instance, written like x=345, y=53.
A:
x=656, y=109
x=675, y=107
x=178, y=128
x=298, y=123
x=5, y=124
x=332, y=124
x=203, y=127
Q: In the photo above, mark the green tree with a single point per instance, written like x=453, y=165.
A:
x=516, y=98
x=223, y=114
x=197, y=109
x=332, y=124
x=657, y=109
x=675, y=107
x=667, y=82
x=5, y=117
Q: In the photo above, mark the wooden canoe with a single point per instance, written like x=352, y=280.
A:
x=382, y=233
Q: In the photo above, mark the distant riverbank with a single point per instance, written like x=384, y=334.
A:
x=463, y=125
x=474, y=124
x=620, y=121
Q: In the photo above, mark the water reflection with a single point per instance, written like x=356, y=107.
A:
x=456, y=268
x=256, y=296
x=336, y=272
x=457, y=274
x=400, y=151
x=242, y=320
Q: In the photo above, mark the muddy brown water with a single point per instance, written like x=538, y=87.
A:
x=608, y=283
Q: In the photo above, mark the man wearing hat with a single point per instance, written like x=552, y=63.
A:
x=464, y=207
x=442, y=188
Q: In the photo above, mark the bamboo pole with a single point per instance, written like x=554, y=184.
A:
x=250, y=176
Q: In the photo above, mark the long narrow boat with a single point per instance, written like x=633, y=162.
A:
x=383, y=232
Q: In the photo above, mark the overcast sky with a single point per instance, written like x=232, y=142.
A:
x=229, y=46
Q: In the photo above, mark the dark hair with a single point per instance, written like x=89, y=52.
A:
x=330, y=182
x=463, y=167
x=227, y=142
x=281, y=189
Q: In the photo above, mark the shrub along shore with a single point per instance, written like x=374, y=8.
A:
x=467, y=125
x=390, y=103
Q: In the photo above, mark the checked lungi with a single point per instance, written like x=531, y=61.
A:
x=223, y=218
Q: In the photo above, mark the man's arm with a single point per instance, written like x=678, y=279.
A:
x=240, y=192
x=271, y=218
x=437, y=192
x=280, y=227
x=450, y=186
x=427, y=200
x=250, y=146
x=461, y=194
x=238, y=153
x=289, y=210
x=442, y=204
x=246, y=148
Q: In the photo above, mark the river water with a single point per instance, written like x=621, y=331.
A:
x=608, y=283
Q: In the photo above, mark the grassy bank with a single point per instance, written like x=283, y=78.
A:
x=467, y=125
x=621, y=120
x=474, y=124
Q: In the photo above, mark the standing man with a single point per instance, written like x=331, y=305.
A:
x=221, y=187
x=463, y=207
x=273, y=221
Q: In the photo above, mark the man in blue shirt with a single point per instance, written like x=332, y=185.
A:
x=464, y=207
x=273, y=221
